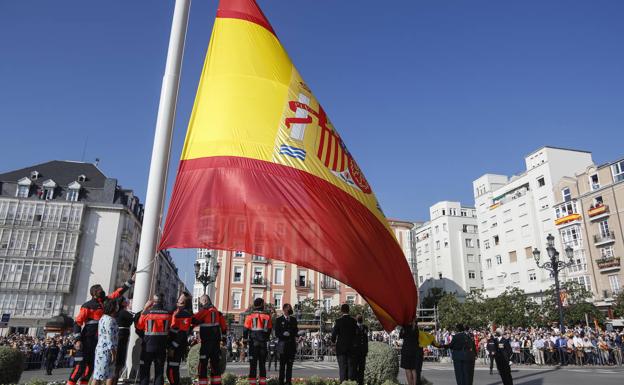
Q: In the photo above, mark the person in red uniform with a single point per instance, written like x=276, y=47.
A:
x=211, y=327
x=86, y=329
x=257, y=331
x=154, y=322
x=178, y=337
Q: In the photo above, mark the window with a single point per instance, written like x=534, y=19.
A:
x=528, y=252
x=446, y=242
x=236, y=300
x=302, y=279
x=421, y=279
x=351, y=299
x=524, y=230
x=48, y=193
x=566, y=194
x=499, y=260
x=513, y=257
x=618, y=171
x=614, y=281
x=443, y=226
x=593, y=182
x=238, y=254
x=72, y=195
x=604, y=228
x=515, y=277
x=22, y=191
x=437, y=245
x=472, y=274
x=469, y=242
x=470, y=258
x=238, y=274
x=279, y=276
x=463, y=213
x=566, y=209
x=496, y=239
x=257, y=295
x=82, y=178
x=257, y=276
x=606, y=252
x=583, y=280
x=327, y=302
x=437, y=229
x=488, y=263
x=486, y=244
x=532, y=276
x=598, y=201
x=541, y=182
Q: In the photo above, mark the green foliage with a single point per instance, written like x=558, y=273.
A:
x=192, y=360
x=332, y=381
x=242, y=381
x=577, y=305
x=512, y=307
x=349, y=383
x=228, y=379
x=434, y=295
x=314, y=380
x=618, y=305
x=272, y=381
x=11, y=365
x=382, y=364
x=388, y=382
x=365, y=310
x=37, y=381
x=186, y=381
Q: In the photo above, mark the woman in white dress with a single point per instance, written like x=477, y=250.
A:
x=106, y=349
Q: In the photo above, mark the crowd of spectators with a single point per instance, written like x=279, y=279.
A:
x=35, y=350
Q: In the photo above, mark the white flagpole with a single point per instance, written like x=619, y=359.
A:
x=157, y=180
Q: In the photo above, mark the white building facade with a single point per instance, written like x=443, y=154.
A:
x=516, y=214
x=448, y=246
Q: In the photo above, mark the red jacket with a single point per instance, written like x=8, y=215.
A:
x=155, y=324
x=211, y=324
x=258, y=326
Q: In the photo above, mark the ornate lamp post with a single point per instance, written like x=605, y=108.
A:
x=206, y=276
x=555, y=266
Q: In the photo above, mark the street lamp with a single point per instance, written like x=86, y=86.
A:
x=555, y=266
x=206, y=276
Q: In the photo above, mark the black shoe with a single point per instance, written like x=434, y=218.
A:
x=491, y=372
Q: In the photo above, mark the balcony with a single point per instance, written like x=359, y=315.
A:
x=604, y=238
x=258, y=281
x=329, y=285
x=303, y=284
x=598, y=211
x=567, y=219
x=610, y=263
x=611, y=294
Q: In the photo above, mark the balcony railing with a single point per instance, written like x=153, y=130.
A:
x=608, y=263
x=258, y=281
x=597, y=210
x=329, y=285
x=259, y=259
x=604, y=237
x=303, y=284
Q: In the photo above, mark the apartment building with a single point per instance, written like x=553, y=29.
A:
x=64, y=226
x=515, y=214
x=588, y=216
x=447, y=246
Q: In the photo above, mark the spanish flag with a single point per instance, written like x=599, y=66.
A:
x=264, y=171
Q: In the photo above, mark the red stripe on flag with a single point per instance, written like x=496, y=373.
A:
x=244, y=10
x=327, y=229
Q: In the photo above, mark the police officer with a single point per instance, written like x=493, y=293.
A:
x=463, y=352
x=360, y=349
x=211, y=327
x=286, y=330
x=85, y=331
x=257, y=331
x=181, y=321
x=502, y=356
x=491, y=349
x=51, y=354
x=154, y=323
x=124, y=322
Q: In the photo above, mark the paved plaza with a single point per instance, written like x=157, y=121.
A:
x=439, y=374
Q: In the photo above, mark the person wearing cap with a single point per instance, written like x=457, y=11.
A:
x=211, y=328
x=502, y=356
x=154, y=322
x=257, y=331
x=181, y=321
x=463, y=352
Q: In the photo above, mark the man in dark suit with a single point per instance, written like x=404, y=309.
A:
x=361, y=349
x=463, y=352
x=286, y=331
x=502, y=357
x=343, y=335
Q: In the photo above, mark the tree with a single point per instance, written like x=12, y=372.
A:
x=450, y=311
x=512, y=307
x=618, y=305
x=354, y=310
x=576, y=305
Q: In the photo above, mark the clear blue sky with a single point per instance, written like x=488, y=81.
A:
x=428, y=95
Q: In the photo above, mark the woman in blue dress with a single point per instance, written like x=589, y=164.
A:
x=106, y=350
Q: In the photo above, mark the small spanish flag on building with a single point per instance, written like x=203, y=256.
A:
x=264, y=171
